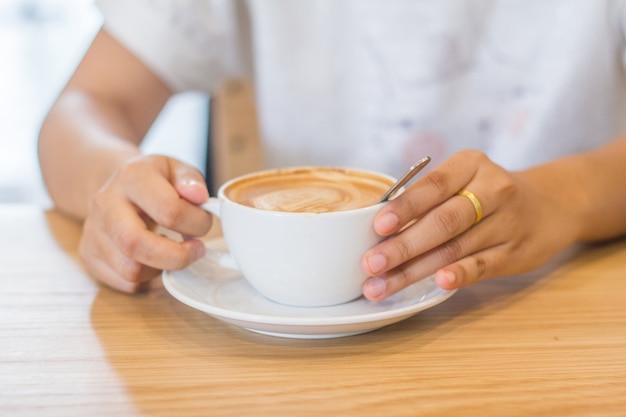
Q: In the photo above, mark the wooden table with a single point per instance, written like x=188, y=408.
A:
x=551, y=343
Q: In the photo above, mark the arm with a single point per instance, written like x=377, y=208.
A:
x=602, y=176
x=97, y=123
x=93, y=169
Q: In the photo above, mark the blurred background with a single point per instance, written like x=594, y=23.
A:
x=41, y=43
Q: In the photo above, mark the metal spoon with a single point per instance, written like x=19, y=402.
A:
x=405, y=178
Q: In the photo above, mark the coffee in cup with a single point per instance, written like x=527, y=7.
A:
x=297, y=234
x=309, y=190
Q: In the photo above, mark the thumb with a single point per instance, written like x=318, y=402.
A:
x=189, y=183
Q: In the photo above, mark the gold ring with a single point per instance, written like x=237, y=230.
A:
x=474, y=200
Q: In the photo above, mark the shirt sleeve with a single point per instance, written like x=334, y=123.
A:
x=189, y=44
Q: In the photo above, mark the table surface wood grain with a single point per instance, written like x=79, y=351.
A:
x=548, y=343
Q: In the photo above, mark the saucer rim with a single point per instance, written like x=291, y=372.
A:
x=439, y=296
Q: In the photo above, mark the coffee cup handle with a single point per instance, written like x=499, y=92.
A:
x=212, y=206
x=223, y=259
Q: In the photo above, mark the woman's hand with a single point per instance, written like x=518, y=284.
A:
x=527, y=218
x=118, y=244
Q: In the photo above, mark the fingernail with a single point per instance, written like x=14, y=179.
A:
x=375, y=287
x=200, y=251
x=445, y=279
x=387, y=223
x=190, y=182
x=377, y=263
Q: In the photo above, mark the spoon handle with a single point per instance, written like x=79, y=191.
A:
x=419, y=165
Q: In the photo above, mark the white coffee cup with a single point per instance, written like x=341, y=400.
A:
x=298, y=258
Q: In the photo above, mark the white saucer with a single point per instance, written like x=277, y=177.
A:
x=226, y=295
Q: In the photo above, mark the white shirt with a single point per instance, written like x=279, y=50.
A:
x=379, y=84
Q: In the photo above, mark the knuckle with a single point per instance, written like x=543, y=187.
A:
x=134, y=287
x=451, y=251
x=206, y=226
x=179, y=259
x=403, y=277
x=503, y=182
x=480, y=268
x=438, y=183
x=447, y=221
x=137, y=167
x=405, y=207
x=130, y=270
x=129, y=169
x=129, y=243
x=475, y=155
x=170, y=215
x=508, y=190
x=403, y=248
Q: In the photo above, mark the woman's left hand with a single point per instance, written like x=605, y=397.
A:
x=432, y=229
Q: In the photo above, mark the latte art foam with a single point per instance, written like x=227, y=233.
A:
x=310, y=190
x=311, y=199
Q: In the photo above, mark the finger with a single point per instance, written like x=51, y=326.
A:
x=90, y=254
x=105, y=274
x=471, y=269
x=129, y=234
x=429, y=191
x=188, y=182
x=159, y=252
x=476, y=239
x=447, y=221
x=158, y=198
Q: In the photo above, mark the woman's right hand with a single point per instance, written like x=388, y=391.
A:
x=119, y=246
